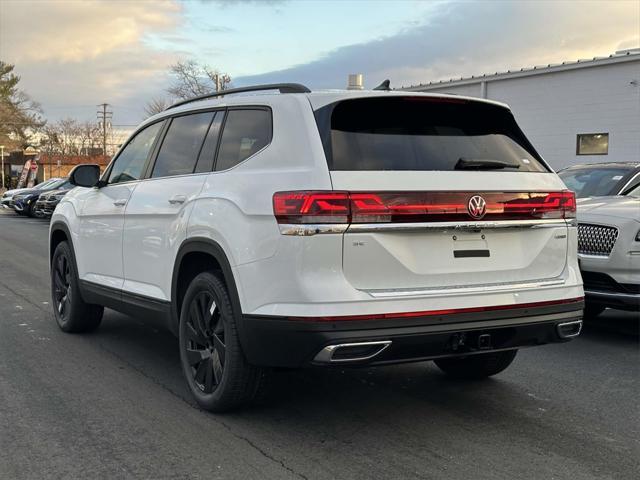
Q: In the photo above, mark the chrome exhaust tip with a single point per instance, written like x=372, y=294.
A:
x=569, y=329
x=351, y=352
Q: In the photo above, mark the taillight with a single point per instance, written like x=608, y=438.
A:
x=402, y=207
x=311, y=207
x=544, y=205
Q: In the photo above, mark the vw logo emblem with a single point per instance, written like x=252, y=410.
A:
x=477, y=207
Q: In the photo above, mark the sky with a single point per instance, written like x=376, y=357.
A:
x=75, y=54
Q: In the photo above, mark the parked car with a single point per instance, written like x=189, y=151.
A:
x=601, y=179
x=609, y=251
x=24, y=203
x=300, y=229
x=9, y=194
x=47, y=202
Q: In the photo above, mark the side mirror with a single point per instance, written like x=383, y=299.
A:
x=85, y=175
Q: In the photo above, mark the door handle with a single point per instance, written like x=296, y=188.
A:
x=177, y=199
x=120, y=202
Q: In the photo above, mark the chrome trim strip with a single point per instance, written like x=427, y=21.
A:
x=630, y=182
x=444, y=226
x=307, y=230
x=314, y=229
x=604, y=256
x=326, y=354
x=487, y=288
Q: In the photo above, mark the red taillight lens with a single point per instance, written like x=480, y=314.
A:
x=543, y=205
x=399, y=207
x=311, y=207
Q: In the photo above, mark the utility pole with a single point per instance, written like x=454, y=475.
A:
x=2, y=157
x=103, y=116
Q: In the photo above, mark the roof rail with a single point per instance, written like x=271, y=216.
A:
x=282, y=87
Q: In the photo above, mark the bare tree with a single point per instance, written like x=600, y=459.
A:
x=156, y=105
x=69, y=137
x=190, y=79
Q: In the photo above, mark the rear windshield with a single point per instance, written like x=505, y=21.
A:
x=422, y=133
x=593, y=181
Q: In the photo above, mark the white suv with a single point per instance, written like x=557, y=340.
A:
x=299, y=228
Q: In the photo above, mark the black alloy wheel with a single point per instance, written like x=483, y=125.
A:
x=205, y=348
x=214, y=365
x=71, y=312
x=62, y=288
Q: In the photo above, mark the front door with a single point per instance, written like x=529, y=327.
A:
x=101, y=216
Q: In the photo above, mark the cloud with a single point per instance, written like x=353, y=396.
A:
x=79, y=31
x=465, y=38
x=82, y=53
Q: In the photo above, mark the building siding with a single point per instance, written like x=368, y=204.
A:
x=552, y=108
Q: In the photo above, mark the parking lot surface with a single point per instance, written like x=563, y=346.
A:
x=113, y=404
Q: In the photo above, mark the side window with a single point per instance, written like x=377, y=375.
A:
x=208, y=152
x=181, y=145
x=245, y=133
x=130, y=163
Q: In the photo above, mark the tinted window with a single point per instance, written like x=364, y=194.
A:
x=245, y=133
x=181, y=145
x=593, y=182
x=129, y=164
x=418, y=133
x=208, y=152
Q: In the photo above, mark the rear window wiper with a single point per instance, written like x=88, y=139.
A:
x=483, y=164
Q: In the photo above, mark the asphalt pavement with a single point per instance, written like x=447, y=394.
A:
x=113, y=404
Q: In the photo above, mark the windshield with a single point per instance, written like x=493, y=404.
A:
x=46, y=184
x=423, y=133
x=57, y=184
x=592, y=181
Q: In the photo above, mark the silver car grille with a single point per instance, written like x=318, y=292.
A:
x=596, y=239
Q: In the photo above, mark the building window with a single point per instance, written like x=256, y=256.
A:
x=592, y=144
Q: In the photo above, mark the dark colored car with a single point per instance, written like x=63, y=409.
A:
x=601, y=179
x=24, y=203
x=48, y=201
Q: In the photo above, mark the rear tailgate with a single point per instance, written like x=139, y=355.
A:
x=405, y=154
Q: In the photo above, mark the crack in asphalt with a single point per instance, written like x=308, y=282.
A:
x=26, y=299
x=201, y=411
x=157, y=382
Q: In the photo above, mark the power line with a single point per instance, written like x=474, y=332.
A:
x=103, y=116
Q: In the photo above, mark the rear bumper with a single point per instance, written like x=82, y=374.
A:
x=279, y=342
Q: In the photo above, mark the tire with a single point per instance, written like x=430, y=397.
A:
x=72, y=314
x=592, y=311
x=214, y=366
x=31, y=211
x=474, y=367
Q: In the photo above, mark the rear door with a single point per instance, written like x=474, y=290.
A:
x=157, y=214
x=445, y=193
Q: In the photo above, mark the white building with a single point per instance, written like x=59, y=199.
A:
x=574, y=112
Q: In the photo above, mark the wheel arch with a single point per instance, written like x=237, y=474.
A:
x=197, y=255
x=59, y=232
